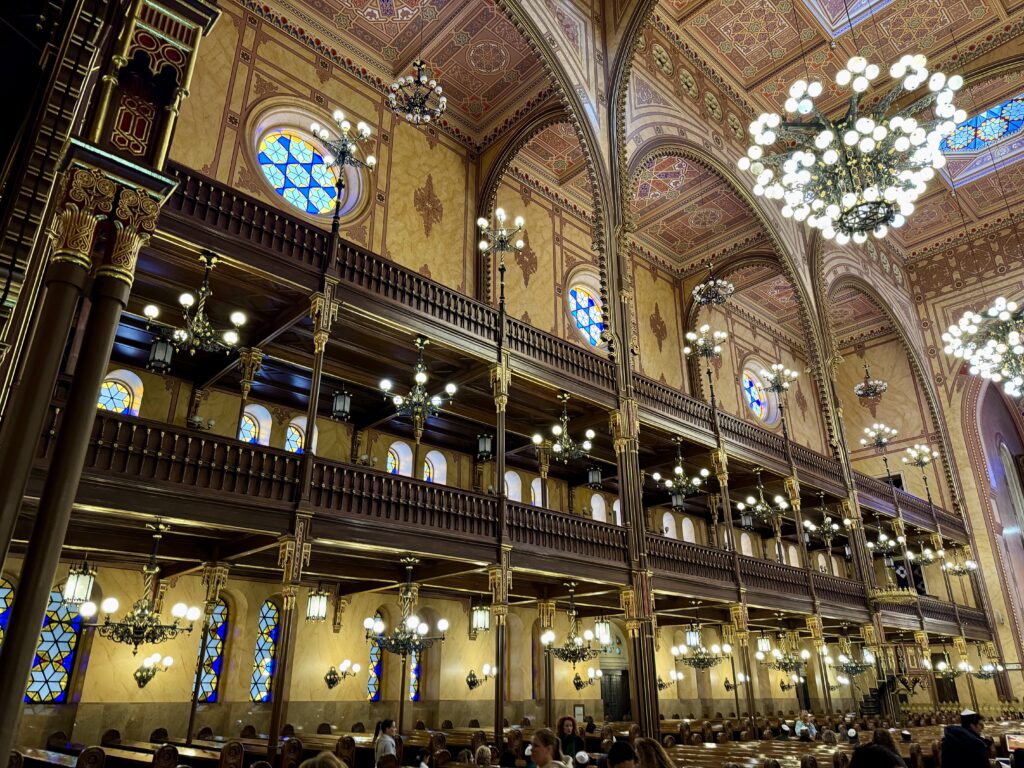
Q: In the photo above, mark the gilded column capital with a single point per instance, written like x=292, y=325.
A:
x=133, y=222
x=792, y=486
x=341, y=602
x=288, y=595
x=499, y=580
x=87, y=195
x=214, y=577
x=294, y=551
x=546, y=613
x=720, y=465
x=250, y=359
x=501, y=380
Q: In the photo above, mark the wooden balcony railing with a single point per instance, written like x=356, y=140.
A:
x=774, y=578
x=559, y=534
x=683, y=558
x=839, y=591
x=932, y=608
x=670, y=402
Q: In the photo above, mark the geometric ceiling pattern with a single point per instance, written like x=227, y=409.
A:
x=855, y=318
x=766, y=294
x=556, y=149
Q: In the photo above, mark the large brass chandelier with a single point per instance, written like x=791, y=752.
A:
x=693, y=652
x=786, y=657
x=143, y=624
x=756, y=509
x=412, y=635
x=563, y=447
x=575, y=649
x=862, y=172
x=714, y=291
x=992, y=344
x=419, y=405
x=418, y=97
x=679, y=486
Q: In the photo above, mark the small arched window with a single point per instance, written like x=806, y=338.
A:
x=294, y=439
x=536, y=492
x=793, y=555
x=6, y=598
x=689, y=533
x=375, y=669
x=617, y=511
x=435, y=468
x=598, y=508
x=587, y=313
x=266, y=647
x=213, y=661
x=399, y=461
x=513, y=486
x=415, y=675
x=55, y=654
x=668, y=526
x=822, y=563
x=746, y=546
x=121, y=392
x=255, y=425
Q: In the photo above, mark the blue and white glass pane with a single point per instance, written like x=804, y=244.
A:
x=587, y=314
x=116, y=397
x=297, y=172
x=6, y=598
x=374, y=670
x=249, y=429
x=755, y=396
x=393, y=464
x=414, y=676
x=990, y=126
x=55, y=654
x=293, y=440
x=213, y=660
x=428, y=470
x=266, y=647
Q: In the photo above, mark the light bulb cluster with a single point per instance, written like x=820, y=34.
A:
x=714, y=291
x=342, y=148
x=870, y=391
x=992, y=344
x=150, y=666
x=862, y=172
x=564, y=448
x=878, y=436
x=694, y=654
x=852, y=667
x=419, y=404
x=779, y=378
x=498, y=238
x=705, y=342
x=920, y=456
x=756, y=509
x=418, y=97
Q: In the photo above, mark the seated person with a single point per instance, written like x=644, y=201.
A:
x=804, y=727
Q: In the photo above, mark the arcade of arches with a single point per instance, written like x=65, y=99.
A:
x=298, y=479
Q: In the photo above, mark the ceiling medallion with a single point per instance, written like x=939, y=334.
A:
x=862, y=172
x=417, y=97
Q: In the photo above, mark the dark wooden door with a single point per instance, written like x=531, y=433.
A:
x=615, y=694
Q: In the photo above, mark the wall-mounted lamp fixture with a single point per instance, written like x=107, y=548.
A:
x=475, y=682
x=336, y=674
x=740, y=680
x=150, y=666
x=593, y=675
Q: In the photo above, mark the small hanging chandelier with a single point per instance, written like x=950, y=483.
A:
x=679, y=486
x=758, y=510
x=693, y=653
x=785, y=658
x=316, y=605
x=575, y=649
x=198, y=333
x=869, y=391
x=826, y=531
x=411, y=635
x=992, y=344
x=848, y=664
x=860, y=173
x=419, y=405
x=714, y=291
x=563, y=447
x=417, y=97
x=961, y=563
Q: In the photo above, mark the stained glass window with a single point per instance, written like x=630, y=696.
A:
x=586, y=311
x=756, y=398
x=376, y=668
x=266, y=647
x=55, y=654
x=297, y=172
x=428, y=470
x=414, y=676
x=990, y=126
x=249, y=429
x=6, y=598
x=294, y=439
x=213, y=660
x=115, y=396
x=394, y=463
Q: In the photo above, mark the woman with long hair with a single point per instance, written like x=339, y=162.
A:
x=568, y=736
x=545, y=749
x=650, y=754
x=384, y=740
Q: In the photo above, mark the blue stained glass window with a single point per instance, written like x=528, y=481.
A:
x=586, y=311
x=6, y=598
x=297, y=172
x=294, y=439
x=394, y=463
x=55, y=654
x=756, y=398
x=266, y=647
x=249, y=429
x=376, y=669
x=213, y=660
x=990, y=126
x=115, y=396
x=428, y=470
x=414, y=676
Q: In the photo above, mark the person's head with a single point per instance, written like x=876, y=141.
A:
x=422, y=755
x=543, y=746
x=650, y=754
x=483, y=755
x=621, y=755
x=566, y=726
x=906, y=736
x=808, y=761
x=784, y=731
x=805, y=716
x=828, y=736
x=385, y=726
x=840, y=759
x=770, y=762
x=851, y=736
x=874, y=756
x=972, y=721
x=884, y=738
x=323, y=760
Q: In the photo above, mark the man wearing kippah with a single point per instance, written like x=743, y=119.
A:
x=962, y=744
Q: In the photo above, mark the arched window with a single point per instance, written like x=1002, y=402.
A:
x=414, y=676
x=375, y=669
x=762, y=403
x=746, y=546
x=294, y=439
x=822, y=563
x=121, y=392
x=689, y=533
x=255, y=425
x=513, y=486
x=598, y=508
x=668, y=525
x=294, y=166
x=55, y=654
x=399, y=461
x=213, y=660
x=793, y=555
x=536, y=492
x=6, y=598
x=266, y=647
x=435, y=468
x=617, y=511
x=586, y=311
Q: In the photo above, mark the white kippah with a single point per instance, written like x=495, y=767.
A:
x=967, y=713
x=852, y=732
x=582, y=757
x=785, y=727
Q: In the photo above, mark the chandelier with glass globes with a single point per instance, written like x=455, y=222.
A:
x=859, y=173
x=789, y=660
x=992, y=344
x=714, y=291
x=694, y=654
x=419, y=405
x=758, y=509
x=412, y=634
x=576, y=649
x=679, y=486
x=418, y=97
x=563, y=447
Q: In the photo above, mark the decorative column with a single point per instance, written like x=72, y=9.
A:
x=960, y=644
x=921, y=639
x=543, y=468
x=215, y=576
x=546, y=614
x=739, y=616
x=818, y=641
x=250, y=360
x=322, y=311
x=293, y=555
x=86, y=196
x=499, y=580
x=862, y=562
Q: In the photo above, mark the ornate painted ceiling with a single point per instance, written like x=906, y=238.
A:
x=855, y=318
x=764, y=294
